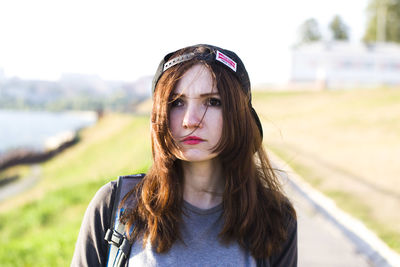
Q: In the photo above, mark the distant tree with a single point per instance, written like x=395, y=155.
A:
x=383, y=23
x=309, y=31
x=339, y=29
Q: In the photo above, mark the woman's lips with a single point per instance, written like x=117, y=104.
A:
x=192, y=140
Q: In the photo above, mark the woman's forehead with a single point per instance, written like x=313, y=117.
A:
x=196, y=81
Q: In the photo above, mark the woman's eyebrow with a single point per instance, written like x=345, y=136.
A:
x=201, y=95
x=210, y=94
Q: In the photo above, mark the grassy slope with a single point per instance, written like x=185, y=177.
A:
x=346, y=144
x=39, y=228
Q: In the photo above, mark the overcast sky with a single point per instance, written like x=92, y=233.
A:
x=124, y=40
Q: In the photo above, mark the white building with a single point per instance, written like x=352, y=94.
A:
x=342, y=64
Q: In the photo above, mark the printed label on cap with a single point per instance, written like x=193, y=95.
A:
x=226, y=60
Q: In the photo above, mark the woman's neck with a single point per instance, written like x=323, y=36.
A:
x=203, y=183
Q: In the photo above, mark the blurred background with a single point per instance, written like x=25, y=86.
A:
x=75, y=98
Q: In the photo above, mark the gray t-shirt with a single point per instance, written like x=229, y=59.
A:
x=199, y=233
x=200, y=246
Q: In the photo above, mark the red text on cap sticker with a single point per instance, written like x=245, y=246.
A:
x=226, y=60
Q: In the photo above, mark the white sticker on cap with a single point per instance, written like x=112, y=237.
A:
x=226, y=60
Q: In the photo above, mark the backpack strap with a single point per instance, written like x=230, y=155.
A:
x=119, y=246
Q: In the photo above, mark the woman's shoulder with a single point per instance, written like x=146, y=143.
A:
x=104, y=196
x=90, y=248
x=100, y=207
x=281, y=200
x=106, y=189
x=287, y=254
x=113, y=191
x=289, y=213
x=283, y=207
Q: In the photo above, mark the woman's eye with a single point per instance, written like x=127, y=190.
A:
x=214, y=102
x=177, y=102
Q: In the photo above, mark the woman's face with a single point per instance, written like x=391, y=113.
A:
x=196, y=135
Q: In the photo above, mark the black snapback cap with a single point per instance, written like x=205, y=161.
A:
x=210, y=54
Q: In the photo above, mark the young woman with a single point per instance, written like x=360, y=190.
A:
x=211, y=197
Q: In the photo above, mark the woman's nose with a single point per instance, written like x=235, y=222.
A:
x=193, y=117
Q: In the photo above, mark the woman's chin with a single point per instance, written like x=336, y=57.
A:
x=197, y=157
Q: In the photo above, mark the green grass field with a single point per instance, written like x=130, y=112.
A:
x=346, y=143
x=40, y=227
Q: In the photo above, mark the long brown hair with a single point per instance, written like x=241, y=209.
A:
x=255, y=211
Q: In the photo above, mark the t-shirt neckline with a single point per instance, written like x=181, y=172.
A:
x=198, y=210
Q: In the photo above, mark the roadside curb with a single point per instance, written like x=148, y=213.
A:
x=367, y=242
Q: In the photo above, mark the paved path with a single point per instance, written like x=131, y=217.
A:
x=18, y=187
x=320, y=242
x=327, y=235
